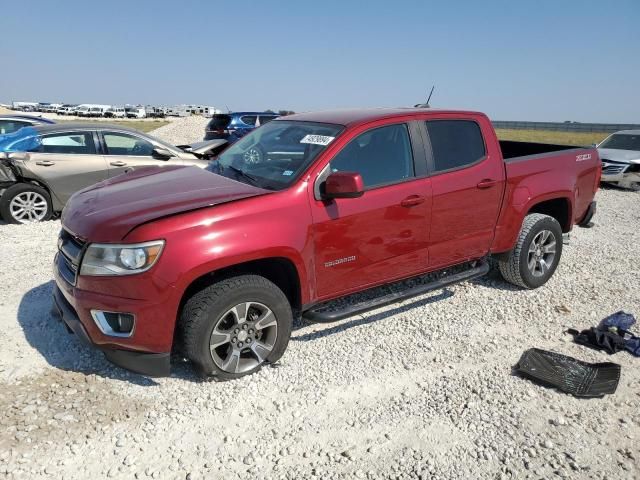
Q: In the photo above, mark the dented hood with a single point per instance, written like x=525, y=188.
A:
x=626, y=156
x=109, y=210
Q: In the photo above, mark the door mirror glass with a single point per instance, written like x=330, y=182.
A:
x=344, y=185
x=159, y=152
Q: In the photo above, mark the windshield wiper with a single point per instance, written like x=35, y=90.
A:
x=254, y=180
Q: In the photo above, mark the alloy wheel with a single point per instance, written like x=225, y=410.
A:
x=28, y=207
x=243, y=337
x=542, y=253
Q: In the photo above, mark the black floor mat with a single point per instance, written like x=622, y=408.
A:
x=573, y=376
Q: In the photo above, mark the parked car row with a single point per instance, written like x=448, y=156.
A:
x=95, y=110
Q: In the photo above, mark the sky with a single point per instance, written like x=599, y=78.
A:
x=544, y=60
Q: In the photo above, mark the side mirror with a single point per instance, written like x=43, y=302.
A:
x=163, y=153
x=344, y=185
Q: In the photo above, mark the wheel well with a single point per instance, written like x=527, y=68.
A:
x=557, y=208
x=280, y=271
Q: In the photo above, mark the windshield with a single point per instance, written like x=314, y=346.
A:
x=622, y=141
x=274, y=155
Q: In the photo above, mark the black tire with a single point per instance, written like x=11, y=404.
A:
x=20, y=188
x=205, y=309
x=516, y=268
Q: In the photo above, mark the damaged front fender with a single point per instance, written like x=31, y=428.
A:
x=9, y=173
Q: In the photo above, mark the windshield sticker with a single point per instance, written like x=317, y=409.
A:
x=287, y=173
x=317, y=139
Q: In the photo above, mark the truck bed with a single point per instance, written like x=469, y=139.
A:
x=512, y=150
x=563, y=172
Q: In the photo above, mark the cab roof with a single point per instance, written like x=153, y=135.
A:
x=351, y=117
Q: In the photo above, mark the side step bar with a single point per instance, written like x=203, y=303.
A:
x=316, y=314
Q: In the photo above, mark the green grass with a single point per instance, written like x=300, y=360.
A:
x=548, y=136
x=143, y=126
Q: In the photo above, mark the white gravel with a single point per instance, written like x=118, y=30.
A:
x=418, y=390
x=182, y=131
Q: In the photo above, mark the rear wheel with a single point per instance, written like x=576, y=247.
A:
x=235, y=326
x=25, y=203
x=537, y=253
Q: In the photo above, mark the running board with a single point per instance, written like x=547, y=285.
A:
x=316, y=314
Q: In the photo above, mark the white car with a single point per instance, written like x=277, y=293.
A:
x=136, y=112
x=115, y=112
x=620, y=155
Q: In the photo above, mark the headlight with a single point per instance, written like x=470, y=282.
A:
x=111, y=259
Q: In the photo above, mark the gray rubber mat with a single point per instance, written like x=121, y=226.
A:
x=573, y=376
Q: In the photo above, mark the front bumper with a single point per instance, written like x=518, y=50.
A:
x=151, y=364
x=626, y=176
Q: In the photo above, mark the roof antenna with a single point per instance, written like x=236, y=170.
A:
x=426, y=105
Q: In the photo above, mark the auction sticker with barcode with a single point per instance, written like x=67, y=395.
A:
x=317, y=139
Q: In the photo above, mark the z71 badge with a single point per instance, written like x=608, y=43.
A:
x=583, y=157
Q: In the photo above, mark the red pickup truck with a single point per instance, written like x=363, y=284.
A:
x=303, y=211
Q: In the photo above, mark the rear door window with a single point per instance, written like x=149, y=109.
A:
x=68, y=143
x=455, y=143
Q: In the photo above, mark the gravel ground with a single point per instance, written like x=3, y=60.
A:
x=183, y=130
x=422, y=389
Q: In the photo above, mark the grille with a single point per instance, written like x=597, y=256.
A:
x=70, y=250
x=613, y=168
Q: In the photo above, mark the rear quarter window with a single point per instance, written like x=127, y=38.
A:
x=455, y=143
x=249, y=119
x=219, y=122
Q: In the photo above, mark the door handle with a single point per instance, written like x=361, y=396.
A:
x=45, y=163
x=118, y=163
x=412, y=201
x=486, y=183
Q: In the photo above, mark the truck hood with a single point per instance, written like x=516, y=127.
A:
x=627, y=156
x=109, y=210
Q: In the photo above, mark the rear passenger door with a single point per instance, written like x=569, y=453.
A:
x=67, y=162
x=467, y=182
x=383, y=234
x=125, y=151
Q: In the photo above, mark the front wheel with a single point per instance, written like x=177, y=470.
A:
x=537, y=252
x=235, y=326
x=25, y=203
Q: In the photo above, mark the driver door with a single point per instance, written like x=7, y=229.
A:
x=382, y=235
x=125, y=151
